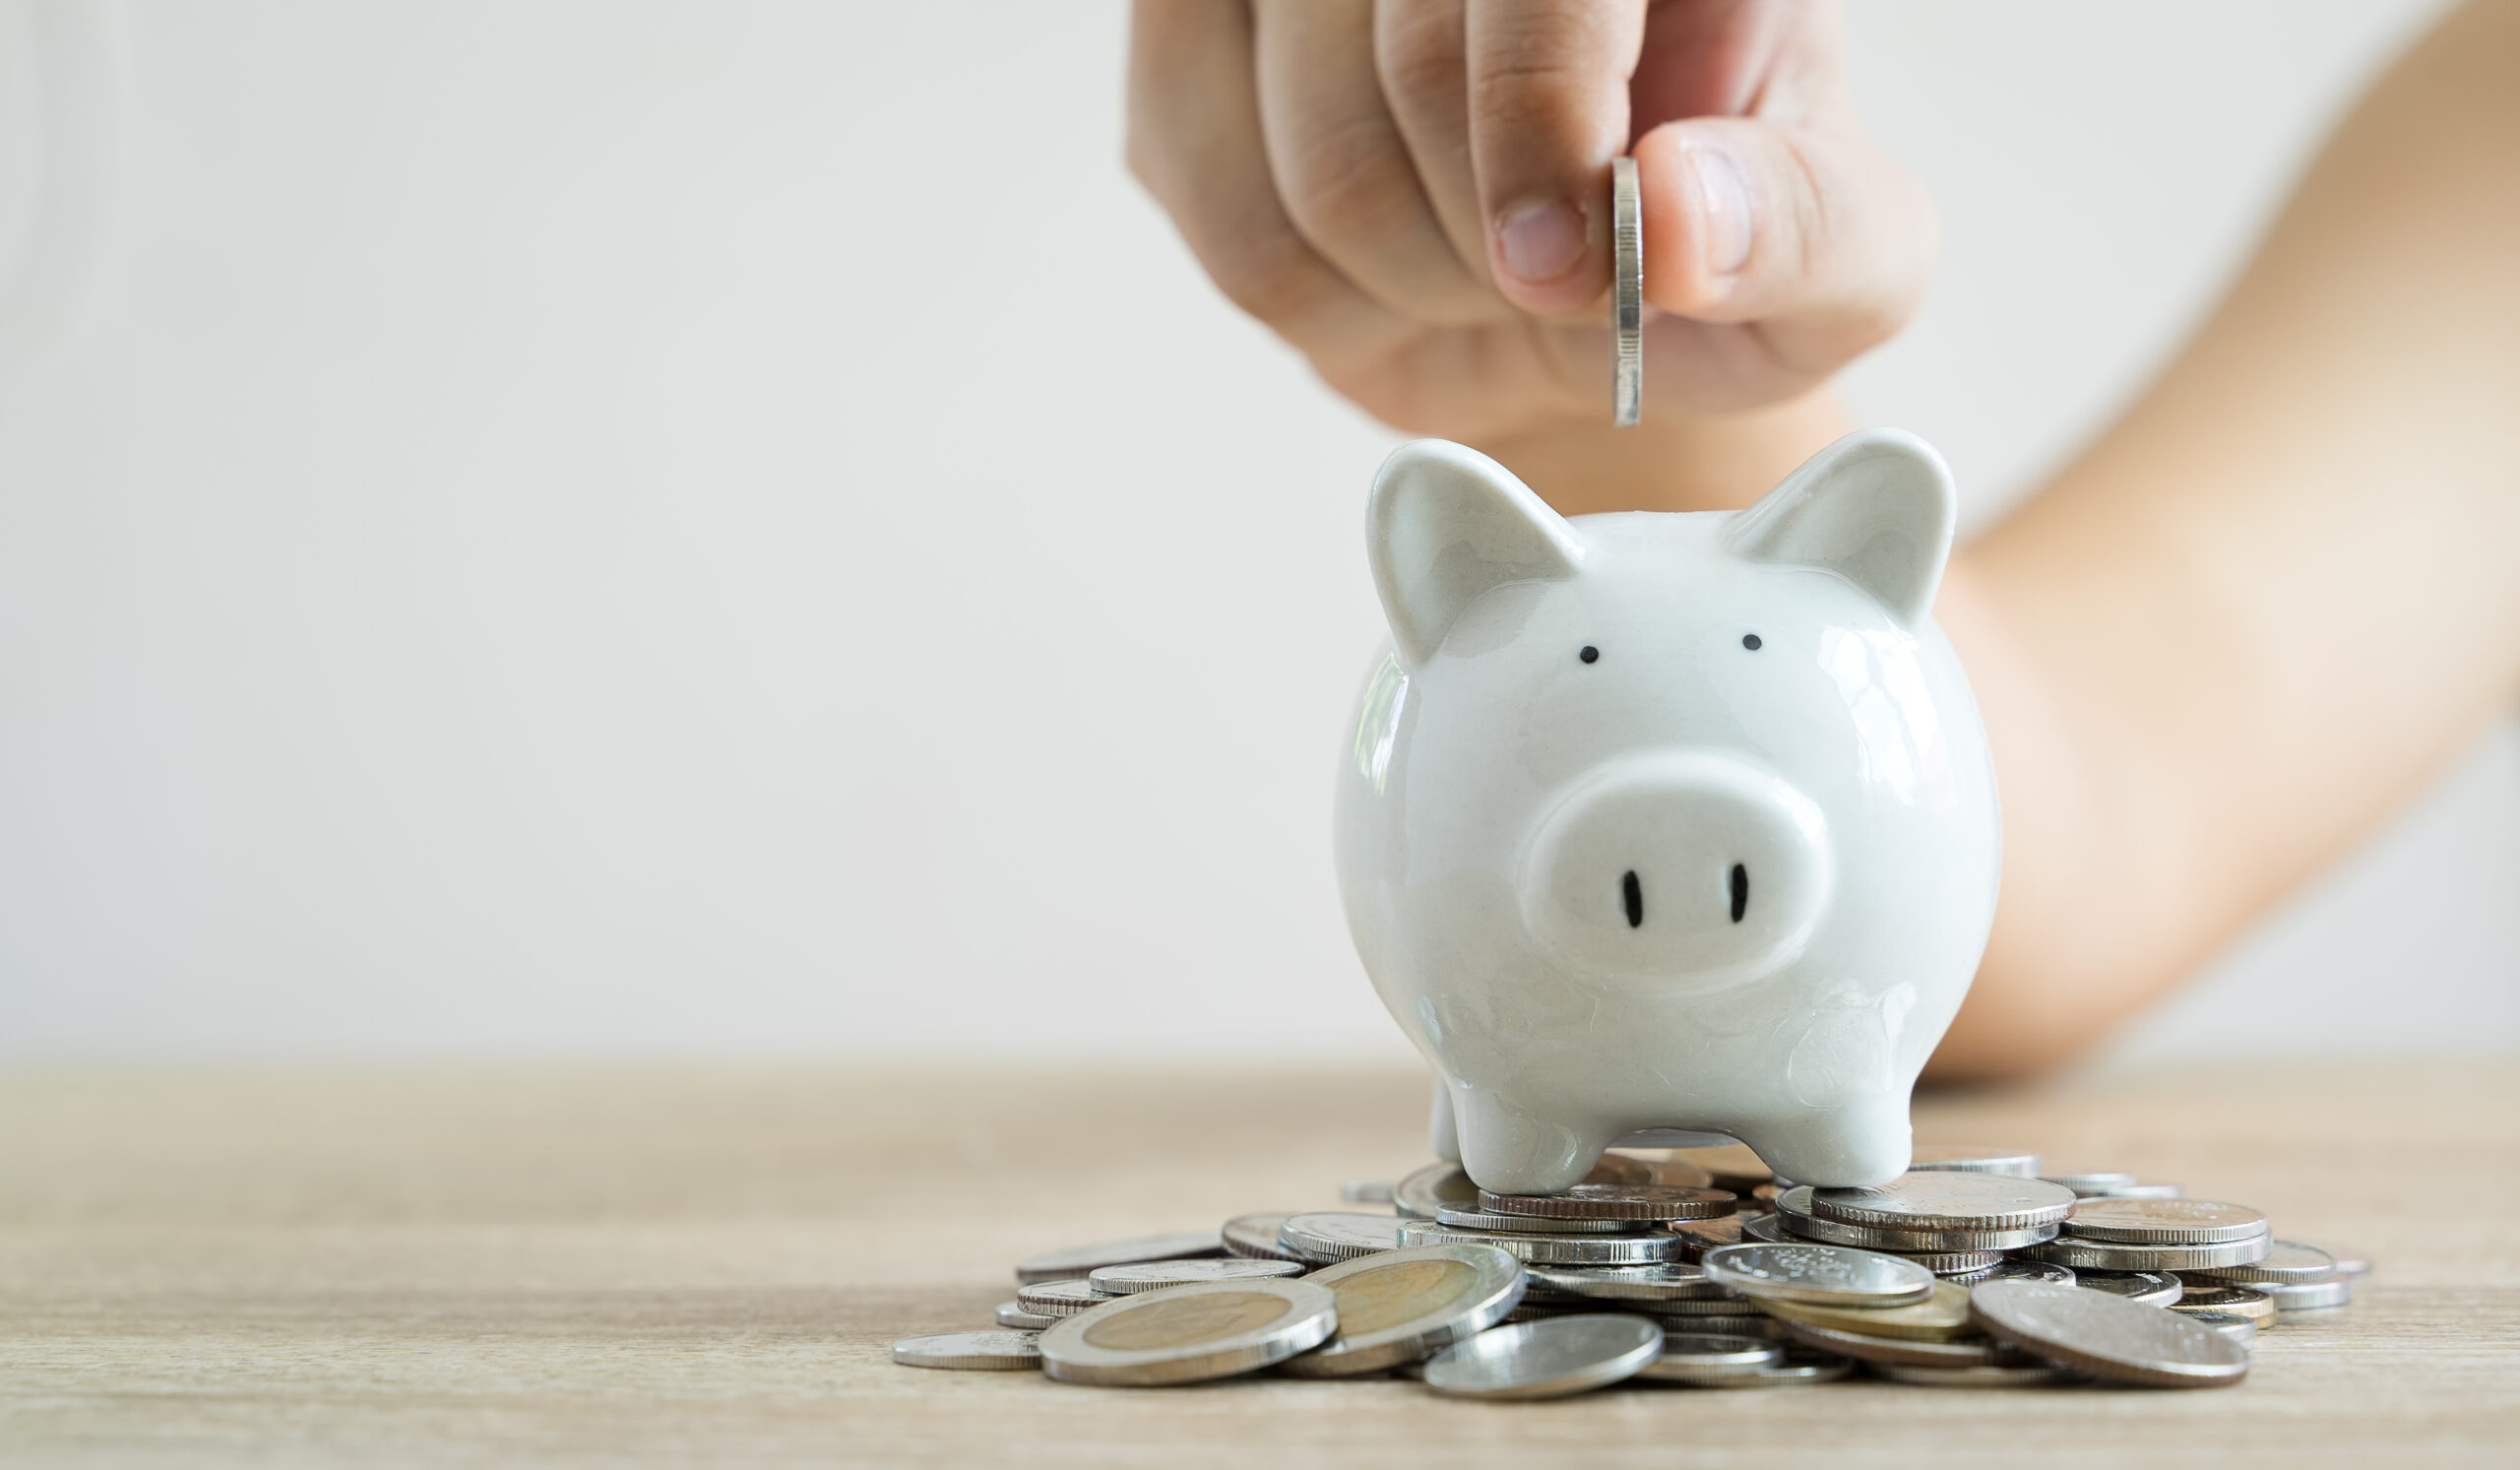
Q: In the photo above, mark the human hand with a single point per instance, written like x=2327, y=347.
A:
x=1415, y=194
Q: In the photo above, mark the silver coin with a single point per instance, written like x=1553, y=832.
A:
x=2290, y=1297
x=1633, y=1249
x=1763, y=1228
x=1431, y=1189
x=2021, y=1375
x=2105, y=1336
x=1728, y=1305
x=1943, y=1156
x=1698, y=1237
x=2283, y=1261
x=1190, y=1334
x=2136, y=1191
x=998, y=1352
x=1801, y=1368
x=1064, y=1266
x=1478, y=1219
x=1627, y=294
x=2097, y=1181
x=2230, y=1325
x=2014, y=1269
x=1741, y=1323
x=1328, y=1235
x=1644, y=1201
x=1155, y=1275
x=2164, y=1222
x=2152, y=1287
x=1256, y=1237
x=1967, y=1352
x=1944, y=1200
x=2349, y=1262
x=2204, y=1294
x=2118, y=1255
x=1709, y=1358
x=1793, y=1213
x=1366, y=1191
x=1830, y=1274
x=1059, y=1297
x=1547, y=1359
x=1013, y=1315
x=1399, y=1306
x=1669, y=1281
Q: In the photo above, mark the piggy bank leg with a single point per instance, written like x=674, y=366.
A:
x=1441, y=1136
x=1854, y=1144
x=1506, y=1148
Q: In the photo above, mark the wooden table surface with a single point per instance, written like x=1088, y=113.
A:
x=707, y=1267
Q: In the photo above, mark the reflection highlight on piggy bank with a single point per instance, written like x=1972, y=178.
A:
x=1668, y=822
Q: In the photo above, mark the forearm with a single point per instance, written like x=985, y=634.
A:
x=2280, y=594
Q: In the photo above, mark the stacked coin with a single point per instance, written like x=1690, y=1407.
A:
x=1955, y=1222
x=1970, y=1270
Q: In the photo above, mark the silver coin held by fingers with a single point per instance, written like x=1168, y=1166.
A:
x=1627, y=294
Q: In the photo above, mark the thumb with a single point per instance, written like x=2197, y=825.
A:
x=1746, y=221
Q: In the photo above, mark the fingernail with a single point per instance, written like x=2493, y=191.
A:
x=1723, y=209
x=1541, y=241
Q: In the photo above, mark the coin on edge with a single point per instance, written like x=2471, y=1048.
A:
x=993, y=1352
x=1189, y=1334
x=1399, y=1306
x=1155, y=1275
x=1827, y=1274
x=2109, y=1337
x=1547, y=1358
x=1627, y=296
x=1064, y=1266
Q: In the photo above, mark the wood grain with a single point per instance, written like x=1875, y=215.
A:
x=688, y=1267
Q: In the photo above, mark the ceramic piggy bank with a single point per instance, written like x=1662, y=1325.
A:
x=1660, y=821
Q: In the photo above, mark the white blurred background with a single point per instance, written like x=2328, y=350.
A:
x=640, y=529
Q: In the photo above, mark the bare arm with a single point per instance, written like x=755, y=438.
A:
x=2283, y=591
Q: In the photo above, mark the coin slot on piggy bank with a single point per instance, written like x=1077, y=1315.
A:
x=1675, y=822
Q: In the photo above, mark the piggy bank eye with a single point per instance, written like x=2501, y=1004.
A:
x=1750, y=641
x=1589, y=653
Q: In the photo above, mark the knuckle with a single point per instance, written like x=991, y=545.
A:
x=1340, y=182
x=1421, y=62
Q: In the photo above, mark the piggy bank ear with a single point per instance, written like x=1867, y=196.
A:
x=1445, y=524
x=1875, y=507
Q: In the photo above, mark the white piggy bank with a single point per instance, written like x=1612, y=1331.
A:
x=1658, y=821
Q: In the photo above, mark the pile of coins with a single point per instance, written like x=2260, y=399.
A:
x=1691, y=1266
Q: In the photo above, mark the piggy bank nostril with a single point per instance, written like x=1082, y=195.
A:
x=1741, y=891
x=1633, y=893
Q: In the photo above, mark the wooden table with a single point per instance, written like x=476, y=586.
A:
x=682, y=1267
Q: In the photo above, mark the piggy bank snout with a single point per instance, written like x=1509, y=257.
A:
x=1683, y=867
